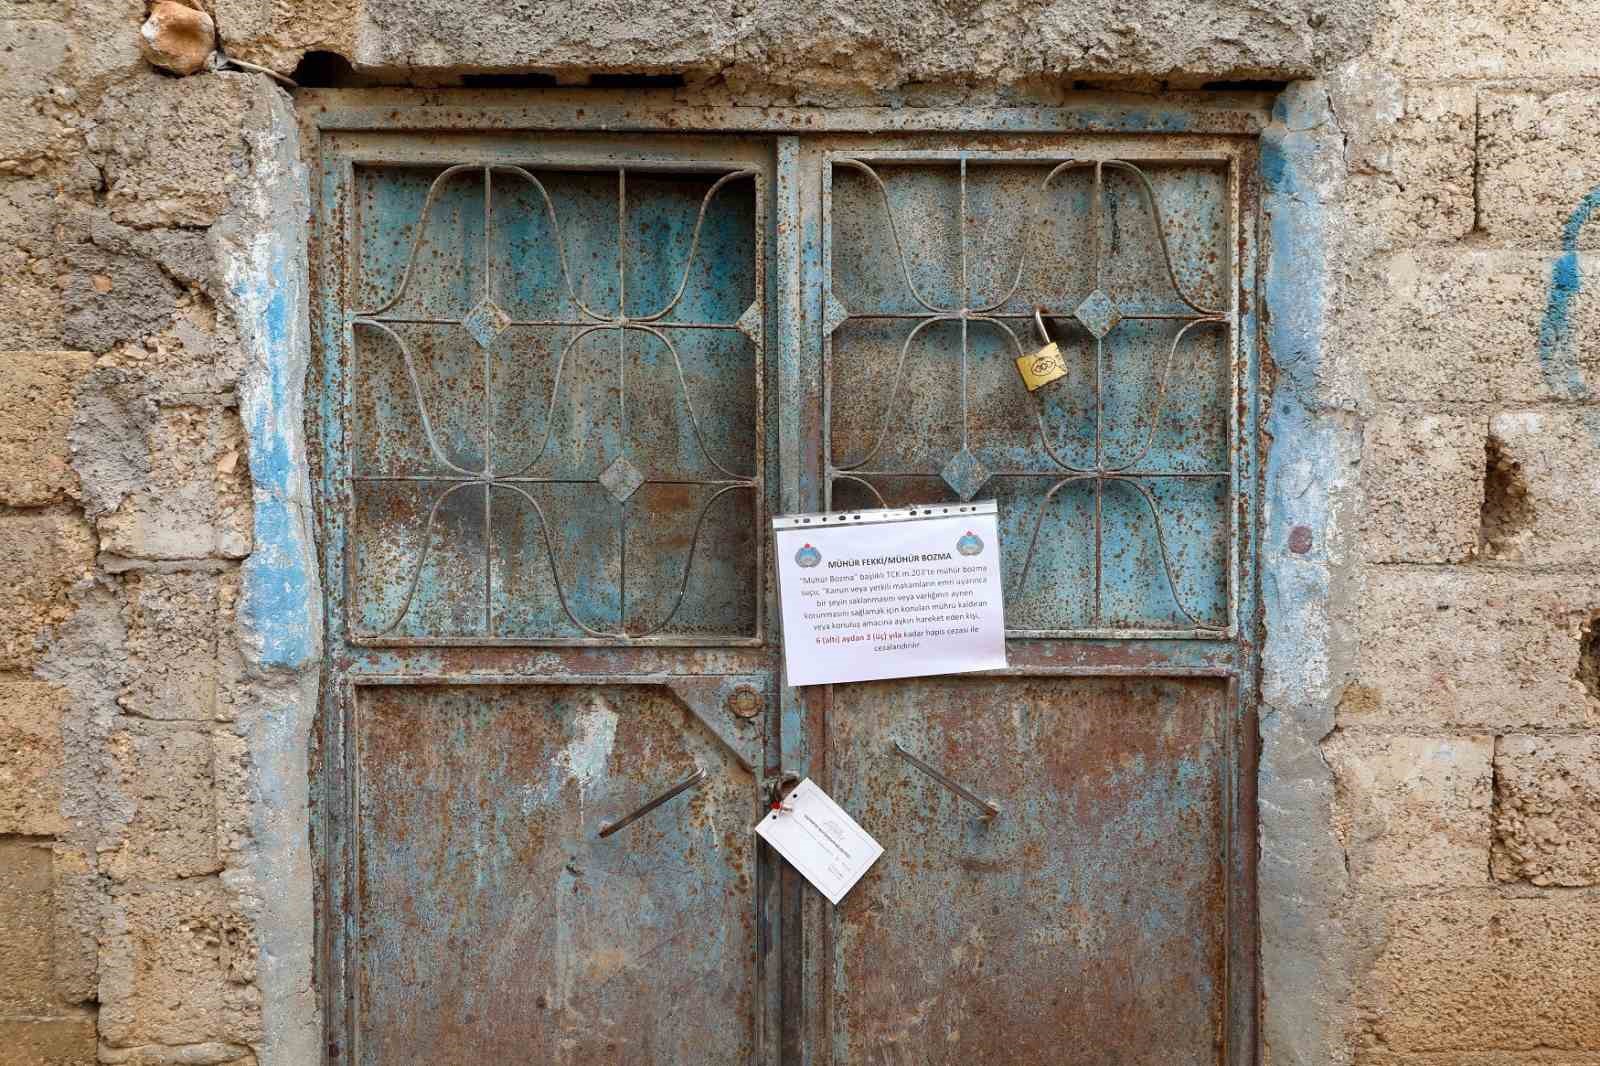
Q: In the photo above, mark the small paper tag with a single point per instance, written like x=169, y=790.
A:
x=821, y=841
x=1042, y=367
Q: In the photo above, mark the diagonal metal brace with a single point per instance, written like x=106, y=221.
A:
x=990, y=808
x=682, y=786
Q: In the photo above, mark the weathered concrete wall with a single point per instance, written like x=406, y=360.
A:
x=1431, y=721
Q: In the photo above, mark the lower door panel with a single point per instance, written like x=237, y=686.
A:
x=492, y=923
x=1085, y=923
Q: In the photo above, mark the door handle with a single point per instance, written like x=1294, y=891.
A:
x=687, y=783
x=989, y=807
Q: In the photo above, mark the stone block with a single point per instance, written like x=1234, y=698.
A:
x=196, y=503
x=27, y=929
x=1538, y=161
x=1413, y=176
x=164, y=970
x=1487, y=973
x=1547, y=809
x=173, y=624
x=164, y=780
x=77, y=944
x=1422, y=488
x=36, y=394
x=67, y=1041
x=1437, y=40
x=209, y=1054
x=42, y=554
x=30, y=758
x=1453, y=326
x=30, y=306
x=814, y=47
x=1550, y=478
x=1413, y=811
x=173, y=149
x=33, y=57
x=1469, y=648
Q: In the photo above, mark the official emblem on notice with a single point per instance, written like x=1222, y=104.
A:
x=904, y=592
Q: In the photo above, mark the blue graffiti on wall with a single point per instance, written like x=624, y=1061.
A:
x=1558, y=348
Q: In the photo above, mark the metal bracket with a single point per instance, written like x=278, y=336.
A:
x=990, y=808
x=682, y=786
x=707, y=698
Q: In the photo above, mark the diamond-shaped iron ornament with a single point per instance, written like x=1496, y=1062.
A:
x=1098, y=313
x=486, y=322
x=622, y=479
x=965, y=474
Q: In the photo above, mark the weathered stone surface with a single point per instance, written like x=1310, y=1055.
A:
x=1442, y=39
x=111, y=297
x=178, y=38
x=173, y=624
x=163, y=971
x=36, y=394
x=42, y=554
x=173, y=149
x=164, y=778
x=1538, y=158
x=196, y=502
x=1462, y=648
x=211, y=1054
x=30, y=306
x=1486, y=973
x=1413, y=811
x=819, y=44
x=1547, y=809
x=68, y=1041
x=1422, y=488
x=77, y=943
x=1554, y=459
x=110, y=423
x=1411, y=160
x=1464, y=325
x=30, y=758
x=27, y=919
x=33, y=58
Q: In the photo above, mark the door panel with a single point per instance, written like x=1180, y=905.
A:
x=555, y=402
x=494, y=924
x=1083, y=924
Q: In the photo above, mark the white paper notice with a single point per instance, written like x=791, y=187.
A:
x=821, y=841
x=897, y=593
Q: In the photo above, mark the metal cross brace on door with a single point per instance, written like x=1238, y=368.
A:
x=990, y=808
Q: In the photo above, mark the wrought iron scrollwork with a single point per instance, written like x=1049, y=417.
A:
x=1099, y=313
x=484, y=323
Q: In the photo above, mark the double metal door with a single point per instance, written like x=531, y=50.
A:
x=565, y=380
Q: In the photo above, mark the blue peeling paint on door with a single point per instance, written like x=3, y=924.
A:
x=549, y=444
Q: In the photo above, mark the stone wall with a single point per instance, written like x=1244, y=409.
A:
x=1455, y=920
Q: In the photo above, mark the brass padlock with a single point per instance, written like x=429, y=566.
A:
x=1044, y=365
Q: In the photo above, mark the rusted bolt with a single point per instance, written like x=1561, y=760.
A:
x=1300, y=539
x=744, y=701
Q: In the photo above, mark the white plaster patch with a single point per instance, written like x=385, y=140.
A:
x=585, y=756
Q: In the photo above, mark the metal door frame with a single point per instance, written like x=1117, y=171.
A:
x=367, y=124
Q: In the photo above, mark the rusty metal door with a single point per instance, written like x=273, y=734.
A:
x=544, y=436
x=566, y=378
x=1096, y=906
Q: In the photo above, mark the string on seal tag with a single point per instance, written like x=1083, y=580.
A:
x=1044, y=365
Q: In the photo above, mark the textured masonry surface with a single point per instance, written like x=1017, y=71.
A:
x=1431, y=714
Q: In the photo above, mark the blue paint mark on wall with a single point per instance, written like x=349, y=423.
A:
x=280, y=599
x=1558, y=350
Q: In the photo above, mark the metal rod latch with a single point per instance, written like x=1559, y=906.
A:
x=990, y=808
x=682, y=786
